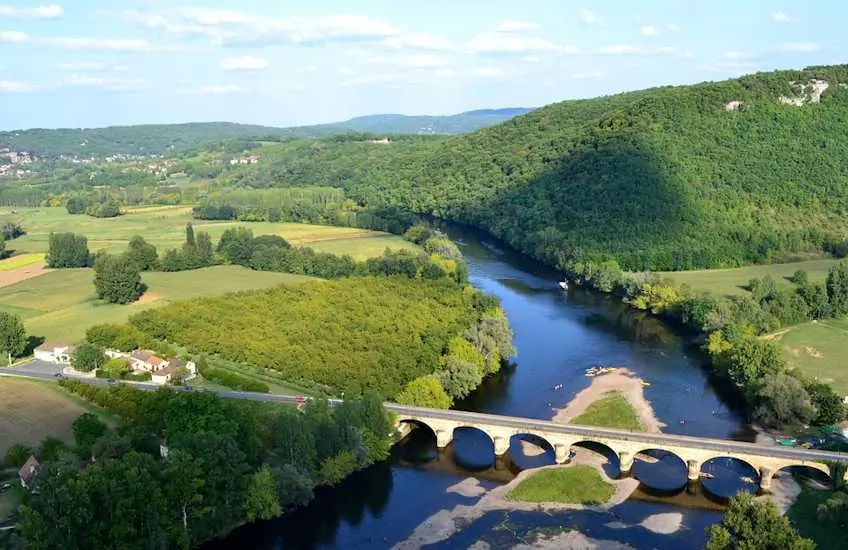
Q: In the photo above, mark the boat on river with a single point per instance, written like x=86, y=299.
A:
x=563, y=285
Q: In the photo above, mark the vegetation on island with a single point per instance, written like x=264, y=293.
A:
x=755, y=523
x=611, y=410
x=182, y=468
x=578, y=484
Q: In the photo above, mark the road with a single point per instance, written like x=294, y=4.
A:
x=47, y=371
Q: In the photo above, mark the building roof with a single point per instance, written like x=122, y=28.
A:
x=28, y=470
x=165, y=371
x=156, y=360
x=176, y=363
x=142, y=354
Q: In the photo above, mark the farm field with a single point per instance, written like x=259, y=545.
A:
x=818, y=350
x=61, y=304
x=33, y=410
x=164, y=226
x=733, y=281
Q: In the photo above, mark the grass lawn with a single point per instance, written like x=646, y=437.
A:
x=612, y=410
x=164, y=226
x=818, y=350
x=34, y=410
x=61, y=304
x=803, y=516
x=578, y=484
x=733, y=281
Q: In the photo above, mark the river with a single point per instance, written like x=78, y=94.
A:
x=557, y=336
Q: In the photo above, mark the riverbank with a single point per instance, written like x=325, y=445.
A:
x=620, y=380
x=446, y=523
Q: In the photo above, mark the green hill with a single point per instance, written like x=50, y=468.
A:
x=452, y=124
x=718, y=174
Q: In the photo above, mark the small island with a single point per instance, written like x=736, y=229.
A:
x=579, y=484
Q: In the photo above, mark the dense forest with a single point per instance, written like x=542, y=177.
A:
x=639, y=177
x=222, y=463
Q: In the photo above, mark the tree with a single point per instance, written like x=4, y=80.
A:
x=294, y=488
x=827, y=402
x=117, y=279
x=204, y=252
x=783, y=401
x=750, y=524
x=752, y=359
x=17, y=455
x=837, y=289
x=236, y=245
x=458, y=377
x=88, y=357
x=800, y=278
x=68, y=250
x=142, y=253
x=261, y=500
x=50, y=449
x=425, y=391
x=87, y=430
x=13, y=339
x=75, y=205
x=116, y=367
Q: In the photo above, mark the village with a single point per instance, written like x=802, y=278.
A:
x=141, y=365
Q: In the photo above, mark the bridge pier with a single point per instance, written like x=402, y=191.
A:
x=626, y=461
x=443, y=438
x=501, y=445
x=561, y=453
x=766, y=475
x=693, y=470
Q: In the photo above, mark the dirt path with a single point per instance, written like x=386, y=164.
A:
x=13, y=276
x=621, y=380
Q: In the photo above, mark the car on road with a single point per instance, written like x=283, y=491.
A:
x=110, y=381
x=299, y=399
x=59, y=375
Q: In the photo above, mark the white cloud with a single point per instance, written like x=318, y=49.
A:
x=50, y=11
x=531, y=59
x=649, y=30
x=243, y=63
x=443, y=73
x=92, y=66
x=221, y=89
x=588, y=17
x=638, y=49
x=107, y=84
x=423, y=61
x=487, y=72
x=781, y=17
x=508, y=43
x=369, y=80
x=77, y=43
x=673, y=27
x=793, y=47
x=589, y=74
x=419, y=41
x=516, y=26
x=16, y=87
x=735, y=55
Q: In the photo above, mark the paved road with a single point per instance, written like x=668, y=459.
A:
x=525, y=424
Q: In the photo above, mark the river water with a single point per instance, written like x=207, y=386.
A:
x=557, y=336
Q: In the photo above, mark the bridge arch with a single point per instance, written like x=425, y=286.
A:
x=724, y=476
x=529, y=450
x=660, y=469
x=612, y=465
x=473, y=447
x=812, y=474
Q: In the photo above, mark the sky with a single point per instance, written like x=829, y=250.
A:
x=91, y=63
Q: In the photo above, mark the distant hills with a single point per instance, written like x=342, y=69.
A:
x=717, y=174
x=163, y=138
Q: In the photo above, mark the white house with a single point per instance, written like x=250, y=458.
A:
x=54, y=352
x=28, y=472
x=165, y=374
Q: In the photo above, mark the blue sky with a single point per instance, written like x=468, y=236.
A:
x=86, y=63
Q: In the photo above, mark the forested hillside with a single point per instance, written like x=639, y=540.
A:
x=711, y=175
x=461, y=123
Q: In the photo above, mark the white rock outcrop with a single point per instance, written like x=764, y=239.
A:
x=734, y=106
x=806, y=92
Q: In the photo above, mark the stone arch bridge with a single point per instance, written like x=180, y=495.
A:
x=693, y=451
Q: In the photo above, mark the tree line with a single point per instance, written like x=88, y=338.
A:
x=222, y=462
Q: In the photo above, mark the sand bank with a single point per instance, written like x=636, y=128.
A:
x=621, y=380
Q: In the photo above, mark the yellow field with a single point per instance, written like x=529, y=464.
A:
x=33, y=410
x=23, y=260
x=164, y=226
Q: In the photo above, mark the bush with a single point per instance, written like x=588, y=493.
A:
x=68, y=250
x=234, y=381
x=117, y=279
x=426, y=391
x=17, y=455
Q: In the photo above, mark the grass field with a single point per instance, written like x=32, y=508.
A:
x=610, y=411
x=578, y=484
x=803, y=515
x=61, y=304
x=164, y=226
x=818, y=349
x=733, y=281
x=34, y=410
